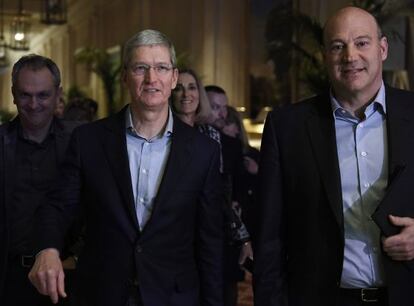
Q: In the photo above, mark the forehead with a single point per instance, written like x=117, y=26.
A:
x=349, y=25
x=28, y=78
x=217, y=98
x=151, y=54
x=186, y=78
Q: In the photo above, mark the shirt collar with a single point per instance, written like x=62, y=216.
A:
x=379, y=100
x=165, y=133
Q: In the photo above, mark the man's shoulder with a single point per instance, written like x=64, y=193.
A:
x=294, y=112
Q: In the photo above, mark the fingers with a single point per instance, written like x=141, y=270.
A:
x=61, y=284
x=400, y=247
x=52, y=286
x=401, y=221
x=47, y=275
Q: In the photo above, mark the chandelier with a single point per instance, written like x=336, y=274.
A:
x=19, y=30
x=54, y=12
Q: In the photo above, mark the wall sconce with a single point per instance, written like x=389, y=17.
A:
x=19, y=31
x=54, y=12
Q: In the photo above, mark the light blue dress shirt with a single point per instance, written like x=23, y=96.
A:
x=147, y=161
x=363, y=162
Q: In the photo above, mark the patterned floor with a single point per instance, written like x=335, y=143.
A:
x=245, y=292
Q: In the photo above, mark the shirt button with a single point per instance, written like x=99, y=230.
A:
x=144, y=171
x=366, y=185
x=138, y=249
x=361, y=125
x=363, y=153
x=375, y=249
x=141, y=200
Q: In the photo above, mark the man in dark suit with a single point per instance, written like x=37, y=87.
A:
x=325, y=166
x=152, y=197
x=33, y=146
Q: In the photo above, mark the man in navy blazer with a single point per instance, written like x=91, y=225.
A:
x=152, y=197
x=325, y=166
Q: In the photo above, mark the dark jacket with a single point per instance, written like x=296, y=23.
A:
x=300, y=245
x=176, y=259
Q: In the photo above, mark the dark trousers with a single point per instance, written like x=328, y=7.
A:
x=353, y=298
x=18, y=290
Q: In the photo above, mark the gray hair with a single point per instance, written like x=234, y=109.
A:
x=147, y=38
x=36, y=62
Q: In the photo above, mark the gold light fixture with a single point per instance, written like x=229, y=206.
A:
x=20, y=26
x=54, y=12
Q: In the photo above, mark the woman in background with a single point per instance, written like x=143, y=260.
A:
x=191, y=105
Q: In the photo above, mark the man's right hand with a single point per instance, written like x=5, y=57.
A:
x=47, y=274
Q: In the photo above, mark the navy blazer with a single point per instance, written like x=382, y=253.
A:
x=176, y=259
x=300, y=245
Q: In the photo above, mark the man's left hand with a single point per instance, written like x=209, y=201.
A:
x=400, y=247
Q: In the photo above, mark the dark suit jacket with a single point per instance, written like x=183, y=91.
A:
x=300, y=245
x=8, y=135
x=176, y=259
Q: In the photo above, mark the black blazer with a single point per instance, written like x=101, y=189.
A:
x=300, y=245
x=176, y=258
x=8, y=137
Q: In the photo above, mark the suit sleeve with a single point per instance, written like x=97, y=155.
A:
x=209, y=246
x=269, y=279
x=62, y=201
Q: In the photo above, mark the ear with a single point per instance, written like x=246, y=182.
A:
x=383, y=48
x=13, y=94
x=174, y=78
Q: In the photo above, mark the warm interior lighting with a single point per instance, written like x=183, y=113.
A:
x=19, y=36
x=19, y=30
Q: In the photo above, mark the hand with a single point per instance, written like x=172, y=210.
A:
x=69, y=263
x=400, y=247
x=246, y=251
x=47, y=275
x=250, y=164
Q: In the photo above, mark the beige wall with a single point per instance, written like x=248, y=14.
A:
x=213, y=32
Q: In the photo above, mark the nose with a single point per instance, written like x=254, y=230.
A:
x=150, y=75
x=349, y=54
x=32, y=103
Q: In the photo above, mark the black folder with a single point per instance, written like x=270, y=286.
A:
x=398, y=201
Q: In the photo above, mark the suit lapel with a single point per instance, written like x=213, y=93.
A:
x=321, y=130
x=399, y=130
x=178, y=158
x=115, y=148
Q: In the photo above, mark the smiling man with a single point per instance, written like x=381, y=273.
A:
x=33, y=147
x=325, y=166
x=152, y=195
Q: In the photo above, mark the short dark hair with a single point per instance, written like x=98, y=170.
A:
x=215, y=88
x=36, y=62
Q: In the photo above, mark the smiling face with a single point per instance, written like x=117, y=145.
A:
x=354, y=53
x=150, y=90
x=186, y=97
x=35, y=96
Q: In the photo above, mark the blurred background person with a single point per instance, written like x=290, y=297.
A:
x=191, y=104
x=81, y=109
x=234, y=127
x=60, y=108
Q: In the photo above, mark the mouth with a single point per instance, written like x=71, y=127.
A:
x=186, y=101
x=151, y=90
x=352, y=71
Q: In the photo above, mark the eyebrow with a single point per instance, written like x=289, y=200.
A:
x=338, y=40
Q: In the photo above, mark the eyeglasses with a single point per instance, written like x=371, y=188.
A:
x=142, y=69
